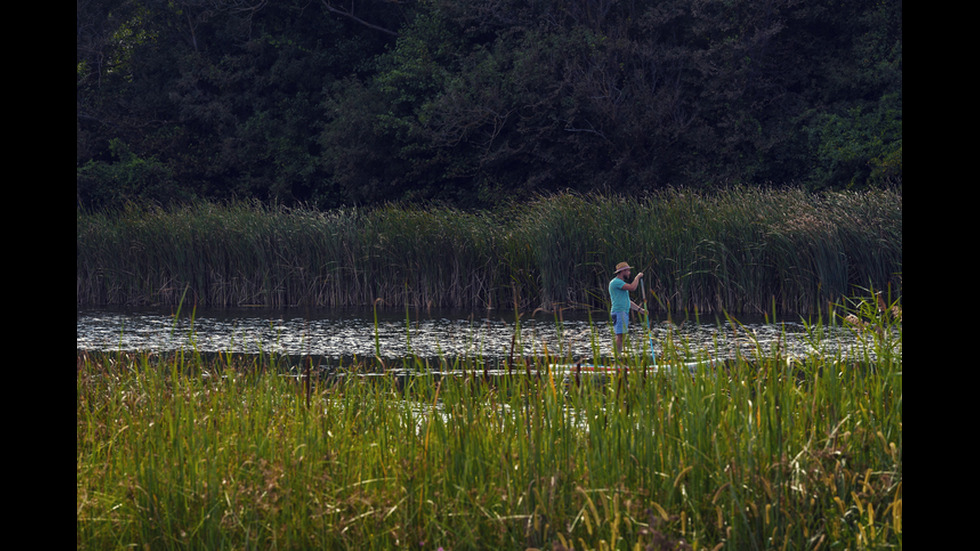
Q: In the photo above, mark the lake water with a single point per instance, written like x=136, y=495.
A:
x=344, y=335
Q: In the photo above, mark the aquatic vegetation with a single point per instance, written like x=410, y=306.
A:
x=184, y=450
x=740, y=251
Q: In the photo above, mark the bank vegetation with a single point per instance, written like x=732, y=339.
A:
x=739, y=251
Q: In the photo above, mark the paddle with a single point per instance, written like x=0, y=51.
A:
x=643, y=292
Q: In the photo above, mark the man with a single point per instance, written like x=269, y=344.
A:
x=619, y=293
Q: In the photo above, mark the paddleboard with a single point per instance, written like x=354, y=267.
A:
x=611, y=369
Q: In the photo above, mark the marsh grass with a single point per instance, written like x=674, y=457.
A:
x=745, y=251
x=186, y=452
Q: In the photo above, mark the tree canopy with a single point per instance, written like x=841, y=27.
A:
x=475, y=102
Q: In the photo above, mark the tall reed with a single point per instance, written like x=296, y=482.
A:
x=739, y=251
x=181, y=452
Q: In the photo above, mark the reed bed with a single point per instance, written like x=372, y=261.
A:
x=738, y=251
x=183, y=452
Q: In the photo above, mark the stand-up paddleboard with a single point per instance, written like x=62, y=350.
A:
x=664, y=366
x=667, y=367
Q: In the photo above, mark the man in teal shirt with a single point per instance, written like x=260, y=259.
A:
x=619, y=293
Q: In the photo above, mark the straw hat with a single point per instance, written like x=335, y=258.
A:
x=622, y=266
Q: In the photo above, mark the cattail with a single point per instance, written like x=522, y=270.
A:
x=897, y=312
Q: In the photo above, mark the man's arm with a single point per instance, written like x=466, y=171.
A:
x=636, y=283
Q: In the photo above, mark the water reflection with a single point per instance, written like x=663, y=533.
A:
x=357, y=334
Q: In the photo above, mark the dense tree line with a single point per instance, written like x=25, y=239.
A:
x=471, y=102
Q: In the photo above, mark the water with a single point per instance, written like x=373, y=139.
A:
x=345, y=335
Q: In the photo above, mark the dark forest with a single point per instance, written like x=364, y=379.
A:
x=476, y=103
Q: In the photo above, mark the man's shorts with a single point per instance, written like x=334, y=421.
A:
x=621, y=322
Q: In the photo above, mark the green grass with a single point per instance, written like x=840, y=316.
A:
x=186, y=452
x=744, y=251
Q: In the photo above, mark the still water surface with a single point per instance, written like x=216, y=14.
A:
x=344, y=335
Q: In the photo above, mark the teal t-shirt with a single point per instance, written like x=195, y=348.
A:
x=620, y=297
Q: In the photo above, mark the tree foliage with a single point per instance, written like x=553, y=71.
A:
x=474, y=102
